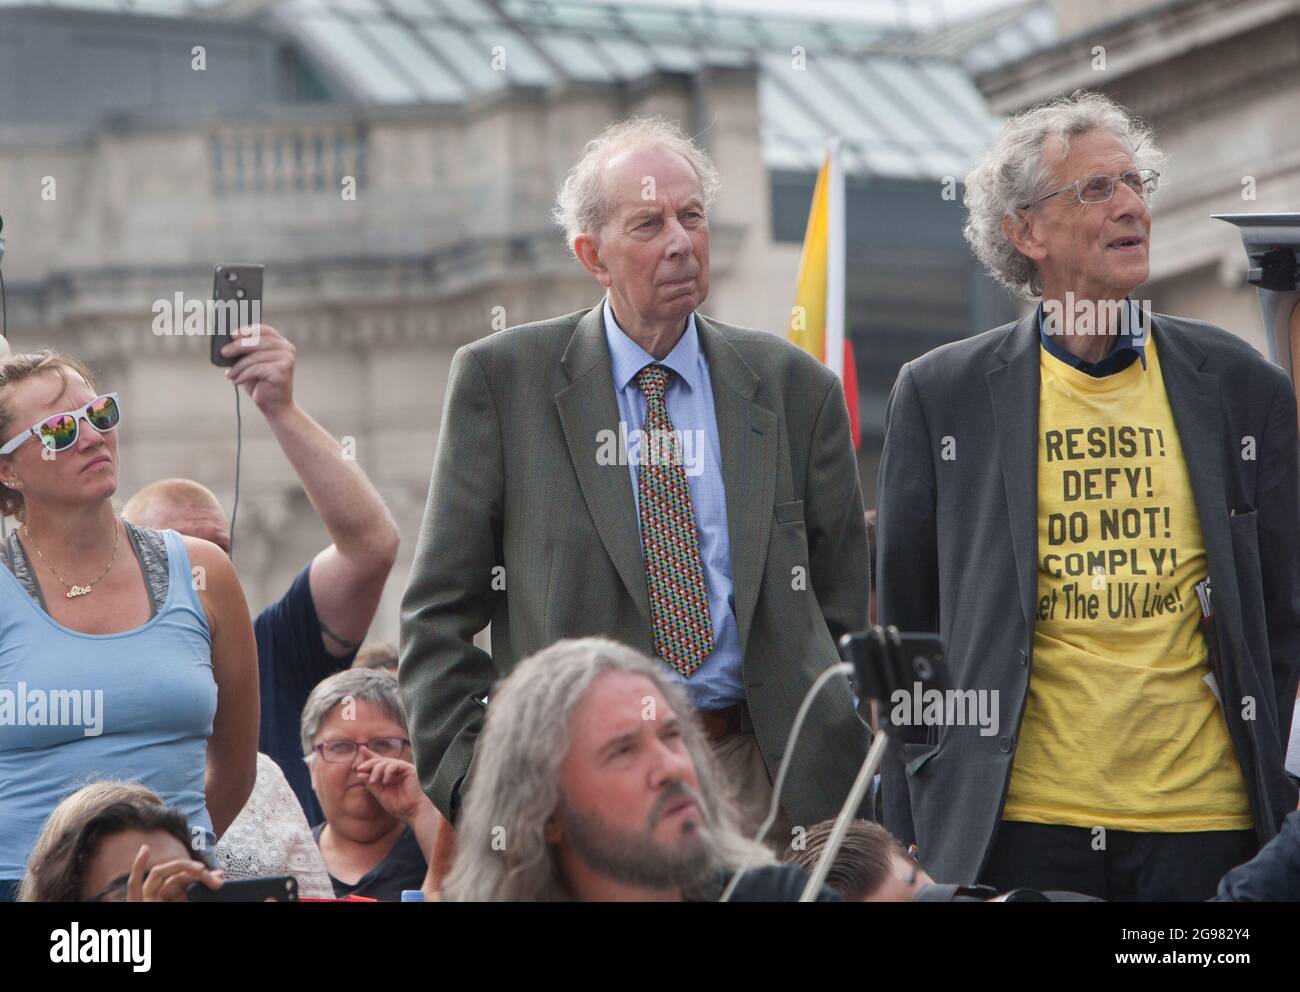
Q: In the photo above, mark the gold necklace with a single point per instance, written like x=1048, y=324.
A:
x=86, y=590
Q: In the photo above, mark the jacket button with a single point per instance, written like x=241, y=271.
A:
x=1004, y=745
x=1024, y=657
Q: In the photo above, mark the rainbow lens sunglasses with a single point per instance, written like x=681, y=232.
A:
x=58, y=433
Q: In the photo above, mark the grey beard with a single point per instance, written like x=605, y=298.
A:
x=636, y=859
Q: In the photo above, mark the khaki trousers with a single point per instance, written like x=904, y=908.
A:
x=750, y=786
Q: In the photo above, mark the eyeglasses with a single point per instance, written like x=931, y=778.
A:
x=338, y=752
x=58, y=433
x=116, y=891
x=1099, y=189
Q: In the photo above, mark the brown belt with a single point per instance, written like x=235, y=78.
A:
x=721, y=724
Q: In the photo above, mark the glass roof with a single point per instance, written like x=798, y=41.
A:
x=469, y=11
x=903, y=101
x=899, y=114
x=154, y=7
x=417, y=11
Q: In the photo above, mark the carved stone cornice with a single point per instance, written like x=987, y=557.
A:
x=1161, y=62
x=445, y=299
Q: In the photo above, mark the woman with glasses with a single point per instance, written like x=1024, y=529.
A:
x=124, y=652
x=379, y=827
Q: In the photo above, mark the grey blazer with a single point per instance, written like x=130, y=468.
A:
x=958, y=542
x=517, y=483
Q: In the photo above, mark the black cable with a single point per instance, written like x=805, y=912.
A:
x=843, y=668
x=239, y=446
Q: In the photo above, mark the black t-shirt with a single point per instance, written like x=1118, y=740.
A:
x=404, y=868
x=772, y=883
x=291, y=659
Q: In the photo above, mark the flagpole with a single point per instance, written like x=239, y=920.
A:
x=835, y=257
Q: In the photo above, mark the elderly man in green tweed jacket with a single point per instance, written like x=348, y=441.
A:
x=642, y=472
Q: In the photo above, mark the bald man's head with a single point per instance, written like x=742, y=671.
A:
x=181, y=505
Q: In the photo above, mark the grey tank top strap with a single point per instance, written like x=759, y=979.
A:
x=16, y=561
x=150, y=549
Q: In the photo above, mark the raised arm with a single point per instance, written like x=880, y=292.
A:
x=347, y=578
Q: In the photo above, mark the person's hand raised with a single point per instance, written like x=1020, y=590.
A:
x=168, y=881
x=395, y=786
x=264, y=366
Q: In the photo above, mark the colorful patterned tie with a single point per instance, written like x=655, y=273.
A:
x=679, y=599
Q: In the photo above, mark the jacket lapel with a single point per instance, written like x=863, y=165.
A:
x=1194, y=399
x=747, y=433
x=588, y=406
x=1013, y=388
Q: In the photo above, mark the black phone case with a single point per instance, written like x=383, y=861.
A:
x=228, y=283
x=279, y=888
x=885, y=661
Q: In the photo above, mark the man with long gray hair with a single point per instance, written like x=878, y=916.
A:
x=639, y=471
x=1098, y=508
x=594, y=783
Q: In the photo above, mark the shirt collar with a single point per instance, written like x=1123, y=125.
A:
x=629, y=358
x=1126, y=340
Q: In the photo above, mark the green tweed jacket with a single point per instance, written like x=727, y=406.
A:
x=527, y=529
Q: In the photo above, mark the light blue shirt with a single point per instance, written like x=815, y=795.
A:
x=78, y=708
x=718, y=682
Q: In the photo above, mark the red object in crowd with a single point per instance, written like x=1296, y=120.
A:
x=348, y=899
x=851, y=392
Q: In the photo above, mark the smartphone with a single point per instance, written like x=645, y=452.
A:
x=885, y=660
x=277, y=888
x=237, y=295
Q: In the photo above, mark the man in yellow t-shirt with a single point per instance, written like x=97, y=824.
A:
x=1098, y=508
x=1123, y=744
x=1119, y=619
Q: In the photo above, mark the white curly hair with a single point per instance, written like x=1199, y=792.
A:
x=1017, y=170
x=580, y=206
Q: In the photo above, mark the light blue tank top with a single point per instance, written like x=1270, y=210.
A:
x=78, y=708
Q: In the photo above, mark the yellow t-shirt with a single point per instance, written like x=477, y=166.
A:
x=1120, y=729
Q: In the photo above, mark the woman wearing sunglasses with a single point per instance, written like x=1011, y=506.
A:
x=124, y=652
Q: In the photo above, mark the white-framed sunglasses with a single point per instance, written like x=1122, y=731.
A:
x=58, y=433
